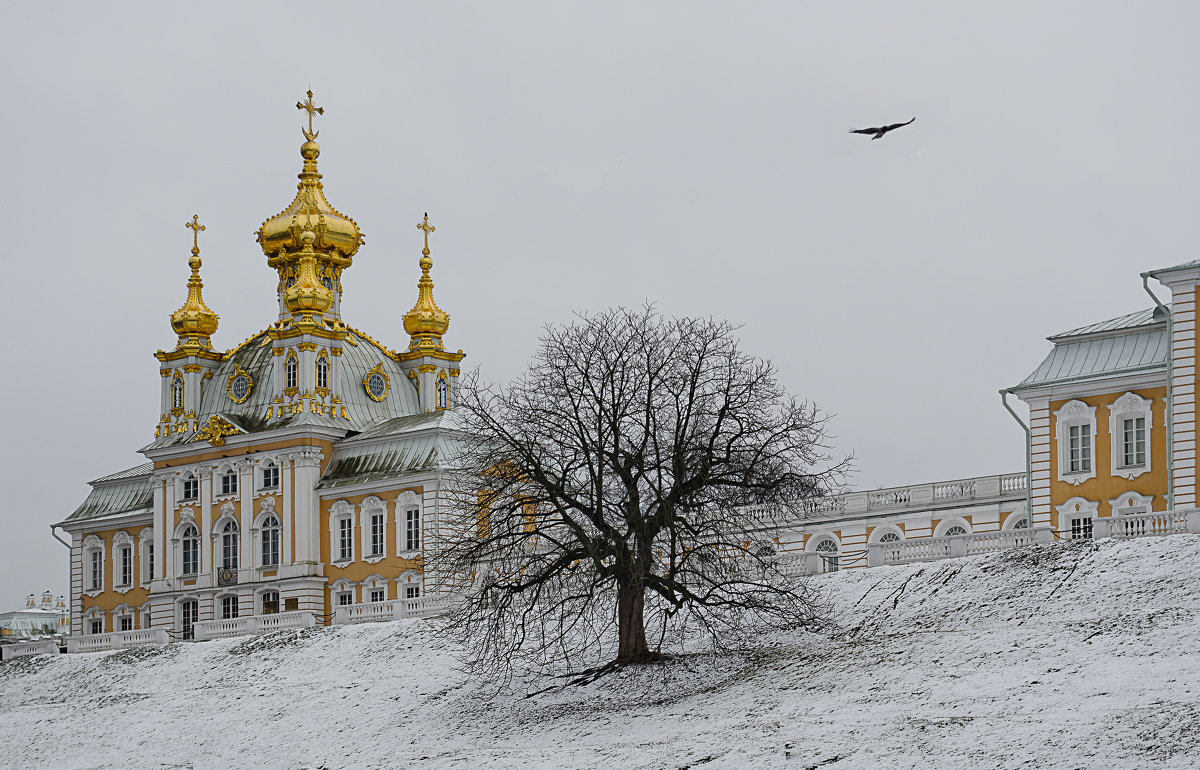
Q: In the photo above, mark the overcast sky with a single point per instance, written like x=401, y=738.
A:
x=579, y=156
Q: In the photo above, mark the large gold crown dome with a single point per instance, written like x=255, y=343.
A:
x=337, y=236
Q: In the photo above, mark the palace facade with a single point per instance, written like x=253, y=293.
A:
x=297, y=472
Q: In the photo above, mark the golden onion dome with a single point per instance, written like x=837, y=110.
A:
x=194, y=320
x=426, y=319
x=337, y=236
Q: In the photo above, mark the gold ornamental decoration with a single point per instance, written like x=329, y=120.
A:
x=216, y=430
x=239, y=385
x=376, y=383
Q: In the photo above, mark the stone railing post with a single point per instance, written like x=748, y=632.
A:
x=1102, y=527
x=1044, y=535
x=958, y=546
x=874, y=555
x=1193, y=520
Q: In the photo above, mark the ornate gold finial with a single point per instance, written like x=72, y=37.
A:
x=194, y=321
x=310, y=108
x=428, y=228
x=195, y=227
x=426, y=322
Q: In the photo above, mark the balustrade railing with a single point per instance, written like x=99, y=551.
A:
x=116, y=640
x=372, y=612
x=253, y=624
x=22, y=649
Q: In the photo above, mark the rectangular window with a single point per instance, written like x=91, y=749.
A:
x=1080, y=460
x=126, y=622
x=1081, y=528
x=229, y=484
x=191, y=614
x=270, y=547
x=229, y=550
x=412, y=592
x=1133, y=430
x=376, y=534
x=271, y=477
x=344, y=599
x=97, y=570
x=229, y=607
x=191, y=488
x=97, y=627
x=126, y=564
x=377, y=594
x=345, y=539
x=191, y=555
x=150, y=561
x=412, y=529
x=270, y=603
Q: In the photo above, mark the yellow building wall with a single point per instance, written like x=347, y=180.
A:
x=1105, y=486
x=390, y=566
x=109, y=598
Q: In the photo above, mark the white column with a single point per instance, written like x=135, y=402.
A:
x=246, y=495
x=205, y=477
x=1183, y=393
x=166, y=553
x=160, y=526
x=306, y=516
x=286, y=516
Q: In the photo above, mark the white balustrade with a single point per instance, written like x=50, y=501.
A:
x=22, y=649
x=953, y=490
x=1152, y=524
x=373, y=612
x=954, y=546
x=218, y=629
x=117, y=640
x=1013, y=483
x=253, y=624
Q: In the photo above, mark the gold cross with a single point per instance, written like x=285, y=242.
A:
x=428, y=228
x=310, y=108
x=195, y=227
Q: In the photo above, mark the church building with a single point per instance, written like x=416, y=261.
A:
x=297, y=472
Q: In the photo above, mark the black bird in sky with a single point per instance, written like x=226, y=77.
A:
x=879, y=131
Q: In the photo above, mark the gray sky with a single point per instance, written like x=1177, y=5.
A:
x=580, y=156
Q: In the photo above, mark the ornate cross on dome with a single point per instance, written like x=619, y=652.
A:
x=428, y=228
x=195, y=227
x=308, y=106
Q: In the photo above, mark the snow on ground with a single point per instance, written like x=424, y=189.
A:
x=1067, y=655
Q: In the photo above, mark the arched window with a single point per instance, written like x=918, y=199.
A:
x=229, y=545
x=322, y=372
x=443, y=391
x=1022, y=523
x=229, y=482
x=177, y=393
x=270, y=542
x=191, y=550
x=828, y=550
x=889, y=537
x=955, y=530
x=290, y=372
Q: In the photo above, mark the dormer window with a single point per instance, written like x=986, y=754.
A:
x=443, y=392
x=322, y=372
x=229, y=482
x=191, y=487
x=177, y=393
x=290, y=372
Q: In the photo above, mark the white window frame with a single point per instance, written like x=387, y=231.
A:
x=228, y=538
x=183, y=487
x=1073, y=413
x=341, y=510
x=370, y=507
x=229, y=483
x=373, y=583
x=1129, y=406
x=1075, y=508
x=405, y=502
x=221, y=601
x=92, y=615
x=1131, y=503
x=339, y=588
x=269, y=467
x=146, y=555
x=181, y=540
x=120, y=612
x=271, y=528
x=92, y=545
x=946, y=524
x=817, y=539
x=122, y=544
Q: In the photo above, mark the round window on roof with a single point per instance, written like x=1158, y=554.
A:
x=376, y=383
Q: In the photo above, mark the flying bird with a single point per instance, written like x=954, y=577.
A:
x=879, y=131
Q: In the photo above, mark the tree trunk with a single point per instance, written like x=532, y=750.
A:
x=631, y=627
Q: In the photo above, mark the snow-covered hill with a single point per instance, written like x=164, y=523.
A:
x=1069, y=655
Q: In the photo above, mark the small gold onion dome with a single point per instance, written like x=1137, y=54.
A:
x=307, y=294
x=310, y=211
x=426, y=318
x=194, y=319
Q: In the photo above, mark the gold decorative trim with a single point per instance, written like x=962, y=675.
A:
x=387, y=383
x=426, y=368
x=216, y=430
x=239, y=372
x=307, y=346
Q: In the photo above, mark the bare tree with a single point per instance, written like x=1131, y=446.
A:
x=598, y=497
